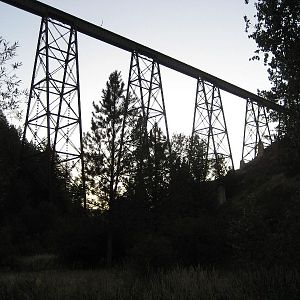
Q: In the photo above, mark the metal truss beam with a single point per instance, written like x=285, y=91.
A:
x=53, y=118
x=209, y=125
x=257, y=135
x=109, y=37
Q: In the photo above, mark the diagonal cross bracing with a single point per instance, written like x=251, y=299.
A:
x=209, y=125
x=145, y=105
x=257, y=134
x=53, y=119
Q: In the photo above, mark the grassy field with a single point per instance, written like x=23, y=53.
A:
x=178, y=283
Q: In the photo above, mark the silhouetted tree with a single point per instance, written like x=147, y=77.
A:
x=150, y=164
x=277, y=33
x=102, y=142
x=188, y=170
x=102, y=145
x=9, y=82
x=199, y=165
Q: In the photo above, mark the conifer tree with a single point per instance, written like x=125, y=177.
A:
x=102, y=147
x=199, y=165
x=149, y=165
x=102, y=142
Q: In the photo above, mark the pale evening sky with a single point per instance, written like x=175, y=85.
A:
x=208, y=35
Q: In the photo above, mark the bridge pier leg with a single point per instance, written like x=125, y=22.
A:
x=145, y=102
x=145, y=87
x=53, y=118
x=144, y=107
x=209, y=125
x=257, y=133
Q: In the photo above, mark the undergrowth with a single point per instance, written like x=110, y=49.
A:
x=126, y=283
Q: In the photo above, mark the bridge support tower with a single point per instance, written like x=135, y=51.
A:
x=145, y=104
x=144, y=108
x=53, y=118
x=257, y=134
x=209, y=125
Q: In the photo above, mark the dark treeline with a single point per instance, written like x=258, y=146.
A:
x=160, y=213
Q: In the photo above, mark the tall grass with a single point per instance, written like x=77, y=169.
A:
x=178, y=283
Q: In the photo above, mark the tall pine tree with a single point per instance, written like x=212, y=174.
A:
x=102, y=142
x=102, y=147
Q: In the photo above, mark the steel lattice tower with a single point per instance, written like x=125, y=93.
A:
x=53, y=119
x=209, y=124
x=146, y=95
x=146, y=88
x=144, y=106
x=256, y=131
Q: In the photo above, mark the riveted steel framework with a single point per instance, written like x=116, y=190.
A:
x=256, y=131
x=144, y=106
x=53, y=119
x=209, y=124
x=146, y=93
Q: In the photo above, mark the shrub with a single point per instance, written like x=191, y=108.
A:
x=6, y=247
x=82, y=240
x=152, y=251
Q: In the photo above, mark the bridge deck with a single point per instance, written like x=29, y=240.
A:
x=119, y=41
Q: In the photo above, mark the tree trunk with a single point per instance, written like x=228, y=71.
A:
x=109, y=245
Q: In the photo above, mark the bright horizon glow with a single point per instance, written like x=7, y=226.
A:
x=208, y=35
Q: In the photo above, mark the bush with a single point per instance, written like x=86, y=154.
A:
x=197, y=240
x=35, y=263
x=6, y=247
x=82, y=240
x=152, y=251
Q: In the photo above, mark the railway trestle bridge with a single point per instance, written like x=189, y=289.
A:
x=53, y=118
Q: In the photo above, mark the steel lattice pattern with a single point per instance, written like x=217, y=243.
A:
x=53, y=119
x=256, y=131
x=210, y=125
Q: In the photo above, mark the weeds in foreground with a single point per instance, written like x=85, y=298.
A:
x=178, y=283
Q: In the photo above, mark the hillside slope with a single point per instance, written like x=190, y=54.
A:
x=263, y=207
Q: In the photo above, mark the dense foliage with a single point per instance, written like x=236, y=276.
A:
x=165, y=213
x=276, y=31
